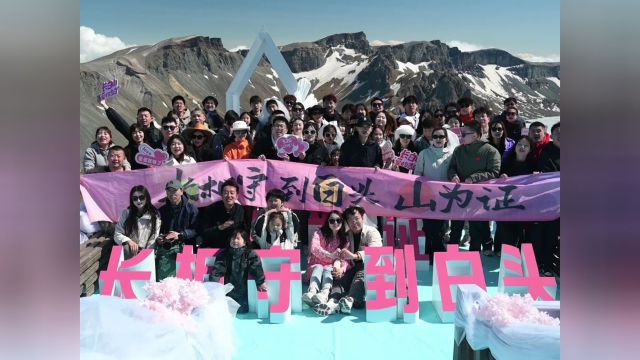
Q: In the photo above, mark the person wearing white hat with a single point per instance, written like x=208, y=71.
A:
x=404, y=137
x=240, y=148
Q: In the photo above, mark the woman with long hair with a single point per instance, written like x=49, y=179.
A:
x=317, y=153
x=136, y=139
x=200, y=137
x=178, y=149
x=323, y=257
x=518, y=162
x=385, y=121
x=498, y=138
x=139, y=224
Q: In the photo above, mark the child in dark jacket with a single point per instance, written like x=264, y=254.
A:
x=235, y=263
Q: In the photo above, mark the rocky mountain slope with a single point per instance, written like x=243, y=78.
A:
x=343, y=64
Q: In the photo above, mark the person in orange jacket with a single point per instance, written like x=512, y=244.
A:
x=240, y=148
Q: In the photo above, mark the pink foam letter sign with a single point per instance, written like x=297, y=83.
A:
x=520, y=275
x=184, y=263
x=407, y=284
x=139, y=269
x=451, y=268
x=381, y=303
x=273, y=261
x=281, y=311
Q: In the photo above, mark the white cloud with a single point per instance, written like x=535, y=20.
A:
x=238, y=48
x=382, y=42
x=93, y=46
x=535, y=58
x=465, y=46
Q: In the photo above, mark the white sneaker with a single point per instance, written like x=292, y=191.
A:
x=327, y=308
x=307, y=297
x=345, y=305
x=321, y=297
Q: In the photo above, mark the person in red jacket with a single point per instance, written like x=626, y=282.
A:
x=465, y=110
x=538, y=133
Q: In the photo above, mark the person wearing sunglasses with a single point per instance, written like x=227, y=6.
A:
x=289, y=102
x=498, y=138
x=433, y=162
x=200, y=137
x=170, y=127
x=473, y=162
x=513, y=122
x=324, y=256
x=349, y=286
x=404, y=136
x=139, y=224
x=240, y=148
x=329, y=137
x=317, y=153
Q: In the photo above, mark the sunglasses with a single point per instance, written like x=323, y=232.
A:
x=512, y=114
x=335, y=221
x=405, y=136
x=239, y=133
x=377, y=104
x=138, y=198
x=329, y=135
x=437, y=137
x=167, y=128
x=310, y=132
x=290, y=103
x=497, y=129
x=198, y=137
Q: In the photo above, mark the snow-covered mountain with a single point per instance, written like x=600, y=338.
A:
x=343, y=64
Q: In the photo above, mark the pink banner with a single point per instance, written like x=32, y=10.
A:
x=324, y=188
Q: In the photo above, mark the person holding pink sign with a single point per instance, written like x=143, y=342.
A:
x=139, y=224
x=324, y=256
x=404, y=136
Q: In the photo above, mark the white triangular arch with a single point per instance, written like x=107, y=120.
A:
x=263, y=45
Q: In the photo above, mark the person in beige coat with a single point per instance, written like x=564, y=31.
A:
x=139, y=224
x=348, y=288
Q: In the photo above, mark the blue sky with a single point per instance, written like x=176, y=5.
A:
x=521, y=27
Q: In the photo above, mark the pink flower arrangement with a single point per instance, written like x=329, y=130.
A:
x=503, y=310
x=176, y=299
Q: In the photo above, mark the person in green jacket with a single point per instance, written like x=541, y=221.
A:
x=472, y=162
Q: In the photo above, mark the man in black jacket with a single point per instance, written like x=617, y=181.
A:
x=360, y=150
x=145, y=118
x=217, y=221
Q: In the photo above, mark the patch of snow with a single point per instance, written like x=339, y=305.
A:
x=395, y=87
x=214, y=75
x=416, y=68
x=554, y=80
x=275, y=88
x=229, y=73
x=206, y=77
x=195, y=102
x=129, y=52
x=493, y=84
x=275, y=74
x=337, y=68
x=165, y=105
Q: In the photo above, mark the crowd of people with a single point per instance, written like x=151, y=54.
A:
x=459, y=143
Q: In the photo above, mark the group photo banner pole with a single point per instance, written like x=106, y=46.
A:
x=325, y=188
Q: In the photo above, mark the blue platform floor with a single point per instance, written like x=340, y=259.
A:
x=309, y=336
